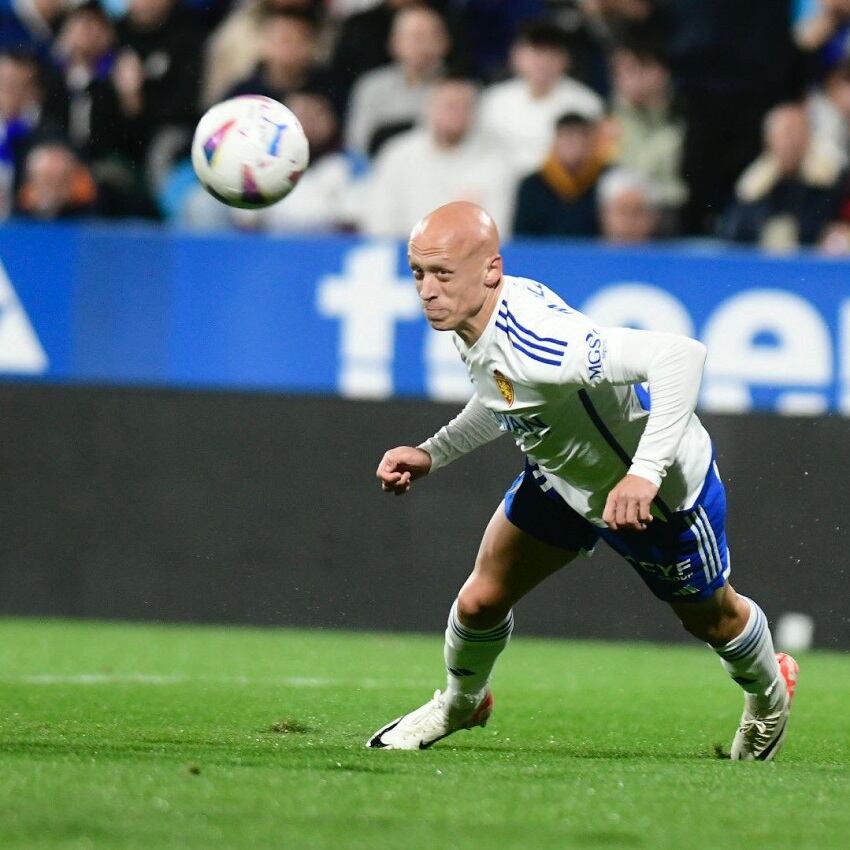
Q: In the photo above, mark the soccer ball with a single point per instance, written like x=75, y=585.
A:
x=249, y=151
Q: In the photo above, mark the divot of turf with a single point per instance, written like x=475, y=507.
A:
x=288, y=727
x=720, y=752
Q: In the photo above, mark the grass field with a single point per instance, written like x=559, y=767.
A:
x=125, y=736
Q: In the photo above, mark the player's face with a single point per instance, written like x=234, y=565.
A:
x=452, y=286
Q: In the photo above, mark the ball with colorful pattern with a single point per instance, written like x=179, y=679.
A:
x=249, y=151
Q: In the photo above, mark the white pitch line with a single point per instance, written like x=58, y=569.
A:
x=180, y=679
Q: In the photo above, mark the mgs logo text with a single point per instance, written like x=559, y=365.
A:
x=594, y=356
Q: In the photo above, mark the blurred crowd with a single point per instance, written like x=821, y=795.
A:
x=627, y=120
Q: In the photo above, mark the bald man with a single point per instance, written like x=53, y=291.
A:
x=601, y=462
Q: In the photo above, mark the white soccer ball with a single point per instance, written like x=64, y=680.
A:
x=249, y=151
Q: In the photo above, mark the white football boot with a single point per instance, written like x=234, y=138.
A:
x=760, y=737
x=434, y=721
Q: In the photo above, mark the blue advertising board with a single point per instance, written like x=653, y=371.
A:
x=340, y=315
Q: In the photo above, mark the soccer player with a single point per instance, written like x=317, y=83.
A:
x=602, y=461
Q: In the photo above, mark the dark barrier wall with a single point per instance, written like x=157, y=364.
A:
x=264, y=509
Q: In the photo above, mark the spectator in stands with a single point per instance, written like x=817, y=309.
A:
x=30, y=26
x=829, y=109
x=619, y=19
x=560, y=198
x=325, y=196
x=786, y=197
x=629, y=207
x=602, y=25
x=364, y=42
x=447, y=160
x=157, y=77
x=20, y=110
x=288, y=56
x=732, y=62
x=824, y=36
x=648, y=131
x=835, y=241
x=393, y=97
x=82, y=103
x=519, y=114
x=234, y=49
x=56, y=185
x=492, y=26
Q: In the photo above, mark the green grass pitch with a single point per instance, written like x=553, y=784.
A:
x=134, y=736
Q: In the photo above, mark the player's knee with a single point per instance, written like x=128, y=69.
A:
x=481, y=605
x=716, y=630
x=716, y=621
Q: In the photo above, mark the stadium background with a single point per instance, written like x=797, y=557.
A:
x=193, y=402
x=149, y=364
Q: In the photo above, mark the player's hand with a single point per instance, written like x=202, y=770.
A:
x=400, y=467
x=629, y=504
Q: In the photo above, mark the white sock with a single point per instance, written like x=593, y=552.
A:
x=471, y=653
x=751, y=661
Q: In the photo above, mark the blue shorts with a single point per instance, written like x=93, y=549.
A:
x=683, y=559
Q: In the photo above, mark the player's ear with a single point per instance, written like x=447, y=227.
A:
x=494, y=271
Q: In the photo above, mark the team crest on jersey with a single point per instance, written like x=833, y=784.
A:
x=506, y=388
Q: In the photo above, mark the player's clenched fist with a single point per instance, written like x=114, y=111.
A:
x=629, y=504
x=400, y=467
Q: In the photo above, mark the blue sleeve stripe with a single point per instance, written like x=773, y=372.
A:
x=643, y=396
x=515, y=333
x=512, y=317
x=525, y=351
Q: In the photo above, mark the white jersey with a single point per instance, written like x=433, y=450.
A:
x=565, y=389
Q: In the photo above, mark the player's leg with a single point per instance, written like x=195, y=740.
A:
x=509, y=564
x=685, y=562
x=529, y=537
x=736, y=629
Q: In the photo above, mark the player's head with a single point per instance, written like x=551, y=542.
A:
x=454, y=255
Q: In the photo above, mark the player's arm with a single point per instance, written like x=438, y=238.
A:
x=472, y=427
x=564, y=350
x=672, y=365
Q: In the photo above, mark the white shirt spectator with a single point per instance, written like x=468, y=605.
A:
x=396, y=94
x=830, y=126
x=524, y=126
x=413, y=175
x=322, y=201
x=383, y=98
